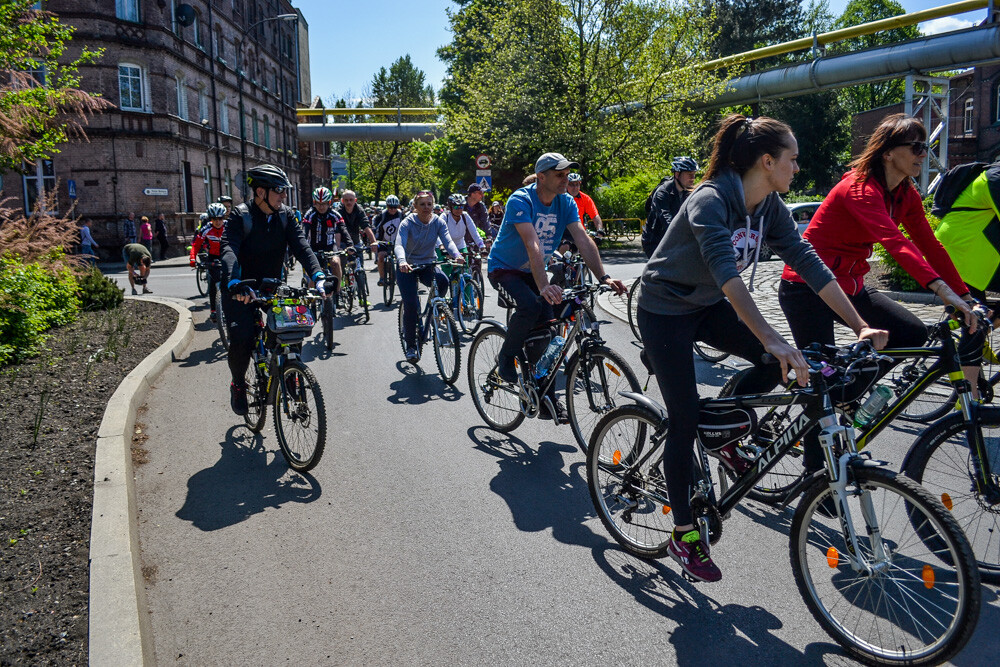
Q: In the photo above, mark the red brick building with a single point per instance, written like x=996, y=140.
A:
x=172, y=143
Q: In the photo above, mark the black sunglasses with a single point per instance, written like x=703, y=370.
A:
x=917, y=147
x=279, y=189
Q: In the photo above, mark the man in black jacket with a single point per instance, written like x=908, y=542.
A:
x=253, y=248
x=666, y=200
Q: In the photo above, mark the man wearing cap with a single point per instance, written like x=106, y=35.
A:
x=534, y=221
x=476, y=209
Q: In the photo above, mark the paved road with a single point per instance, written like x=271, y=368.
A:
x=425, y=538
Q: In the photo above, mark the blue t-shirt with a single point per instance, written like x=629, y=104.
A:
x=550, y=223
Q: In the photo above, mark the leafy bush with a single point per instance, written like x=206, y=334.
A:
x=626, y=197
x=896, y=273
x=98, y=292
x=33, y=298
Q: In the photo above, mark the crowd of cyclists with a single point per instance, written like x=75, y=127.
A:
x=700, y=237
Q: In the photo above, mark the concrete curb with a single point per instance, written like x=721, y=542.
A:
x=119, y=624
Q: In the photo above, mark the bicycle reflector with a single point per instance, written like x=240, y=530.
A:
x=616, y=458
x=946, y=501
x=832, y=557
x=666, y=509
x=928, y=577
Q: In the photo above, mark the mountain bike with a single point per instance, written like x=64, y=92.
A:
x=355, y=282
x=201, y=273
x=703, y=350
x=389, y=264
x=437, y=324
x=881, y=564
x=466, y=297
x=278, y=377
x=595, y=374
x=220, y=315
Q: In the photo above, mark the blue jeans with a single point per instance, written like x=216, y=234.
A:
x=88, y=250
x=407, y=283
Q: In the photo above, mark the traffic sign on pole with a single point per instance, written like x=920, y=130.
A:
x=485, y=182
x=483, y=161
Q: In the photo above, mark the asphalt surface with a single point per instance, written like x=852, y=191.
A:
x=424, y=537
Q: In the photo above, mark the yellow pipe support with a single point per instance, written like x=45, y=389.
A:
x=405, y=111
x=847, y=33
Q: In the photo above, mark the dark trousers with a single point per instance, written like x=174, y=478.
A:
x=520, y=287
x=214, y=276
x=668, y=340
x=241, y=320
x=164, y=244
x=407, y=283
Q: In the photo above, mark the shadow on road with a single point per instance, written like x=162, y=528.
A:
x=538, y=487
x=419, y=385
x=206, y=355
x=707, y=633
x=242, y=483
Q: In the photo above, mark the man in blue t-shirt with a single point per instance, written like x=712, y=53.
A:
x=534, y=221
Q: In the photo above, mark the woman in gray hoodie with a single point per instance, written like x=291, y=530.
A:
x=692, y=291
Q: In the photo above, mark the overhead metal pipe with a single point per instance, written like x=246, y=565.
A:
x=963, y=48
x=370, y=131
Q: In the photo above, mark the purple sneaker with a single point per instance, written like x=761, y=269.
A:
x=731, y=458
x=691, y=554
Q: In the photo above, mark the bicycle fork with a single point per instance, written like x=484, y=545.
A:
x=984, y=484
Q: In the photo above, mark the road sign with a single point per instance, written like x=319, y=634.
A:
x=155, y=192
x=483, y=161
x=483, y=172
x=71, y=188
x=485, y=182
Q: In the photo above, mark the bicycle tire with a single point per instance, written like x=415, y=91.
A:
x=497, y=403
x=220, y=318
x=304, y=453
x=402, y=338
x=470, y=308
x=930, y=566
x=581, y=385
x=201, y=279
x=633, y=309
x=256, y=397
x=629, y=232
x=361, y=280
x=940, y=461
x=934, y=402
x=629, y=493
x=326, y=320
x=709, y=353
x=447, y=343
x=347, y=296
x=388, y=284
x=773, y=487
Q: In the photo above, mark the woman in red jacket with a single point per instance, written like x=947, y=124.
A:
x=869, y=206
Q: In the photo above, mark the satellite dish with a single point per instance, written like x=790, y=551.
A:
x=184, y=15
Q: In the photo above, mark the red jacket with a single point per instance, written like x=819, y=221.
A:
x=212, y=239
x=858, y=214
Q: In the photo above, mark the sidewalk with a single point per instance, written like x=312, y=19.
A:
x=117, y=267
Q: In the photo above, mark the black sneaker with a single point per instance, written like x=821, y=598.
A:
x=506, y=369
x=381, y=282
x=238, y=399
x=561, y=416
x=412, y=356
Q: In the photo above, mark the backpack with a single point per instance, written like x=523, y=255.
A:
x=244, y=212
x=953, y=183
x=653, y=231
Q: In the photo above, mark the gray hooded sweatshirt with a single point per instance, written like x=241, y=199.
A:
x=713, y=239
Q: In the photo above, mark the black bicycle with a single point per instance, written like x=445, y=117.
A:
x=355, y=281
x=201, y=273
x=215, y=265
x=882, y=565
x=326, y=310
x=703, y=350
x=595, y=374
x=389, y=265
x=278, y=377
x=437, y=324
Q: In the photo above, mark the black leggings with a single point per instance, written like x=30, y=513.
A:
x=668, y=340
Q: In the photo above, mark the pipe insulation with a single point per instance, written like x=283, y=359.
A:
x=963, y=48
x=369, y=131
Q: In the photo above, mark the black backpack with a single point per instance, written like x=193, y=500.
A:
x=953, y=183
x=244, y=211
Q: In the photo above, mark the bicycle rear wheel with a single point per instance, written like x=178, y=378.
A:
x=299, y=416
x=941, y=462
x=709, y=353
x=593, y=381
x=497, y=402
x=201, y=279
x=934, y=402
x=628, y=490
x=220, y=317
x=447, y=343
x=633, y=309
x=256, y=397
x=910, y=595
x=470, y=309
x=399, y=321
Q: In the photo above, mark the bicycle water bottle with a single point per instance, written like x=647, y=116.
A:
x=878, y=399
x=551, y=352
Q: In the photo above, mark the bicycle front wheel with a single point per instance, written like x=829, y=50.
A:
x=447, y=344
x=399, y=321
x=362, y=282
x=470, y=309
x=910, y=594
x=633, y=309
x=256, y=397
x=326, y=319
x=593, y=380
x=299, y=416
x=201, y=279
x=220, y=317
x=940, y=461
x=497, y=402
x=388, y=284
x=347, y=297
x=628, y=490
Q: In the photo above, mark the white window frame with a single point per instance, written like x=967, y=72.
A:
x=224, y=115
x=39, y=182
x=142, y=84
x=182, y=102
x=229, y=182
x=969, y=117
x=128, y=10
x=267, y=132
x=207, y=175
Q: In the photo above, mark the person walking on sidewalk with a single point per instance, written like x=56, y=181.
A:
x=128, y=229
x=146, y=235
x=87, y=243
x=161, y=235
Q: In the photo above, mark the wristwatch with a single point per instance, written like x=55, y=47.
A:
x=606, y=276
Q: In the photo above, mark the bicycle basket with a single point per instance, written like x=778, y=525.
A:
x=720, y=426
x=535, y=344
x=290, y=322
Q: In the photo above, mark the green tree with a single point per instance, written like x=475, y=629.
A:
x=856, y=99
x=744, y=25
x=41, y=104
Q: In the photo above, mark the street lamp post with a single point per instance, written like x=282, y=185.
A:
x=239, y=81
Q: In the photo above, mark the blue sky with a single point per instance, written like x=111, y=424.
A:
x=349, y=42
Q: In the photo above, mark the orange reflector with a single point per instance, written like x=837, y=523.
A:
x=616, y=458
x=832, y=557
x=666, y=509
x=928, y=576
x=946, y=501
x=613, y=369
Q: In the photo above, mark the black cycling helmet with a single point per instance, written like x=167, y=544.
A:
x=267, y=176
x=456, y=200
x=684, y=163
x=225, y=199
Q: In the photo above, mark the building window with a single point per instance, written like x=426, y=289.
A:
x=202, y=104
x=182, y=102
x=36, y=76
x=256, y=131
x=220, y=45
x=969, y=117
x=208, y=185
x=37, y=182
x=127, y=10
x=224, y=115
x=196, y=27
x=229, y=182
x=267, y=133
x=131, y=87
